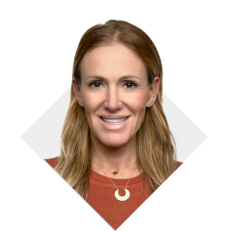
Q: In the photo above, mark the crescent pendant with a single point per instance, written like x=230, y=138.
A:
x=124, y=198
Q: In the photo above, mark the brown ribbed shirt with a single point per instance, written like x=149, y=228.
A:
x=102, y=196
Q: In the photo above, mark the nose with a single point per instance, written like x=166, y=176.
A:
x=112, y=101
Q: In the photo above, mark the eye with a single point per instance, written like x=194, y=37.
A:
x=94, y=83
x=98, y=83
x=131, y=83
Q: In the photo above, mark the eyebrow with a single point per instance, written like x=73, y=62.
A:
x=103, y=78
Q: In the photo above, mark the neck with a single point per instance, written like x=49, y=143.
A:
x=114, y=158
x=114, y=164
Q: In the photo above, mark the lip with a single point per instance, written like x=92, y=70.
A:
x=114, y=126
x=113, y=116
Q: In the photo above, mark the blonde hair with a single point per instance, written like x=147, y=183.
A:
x=156, y=154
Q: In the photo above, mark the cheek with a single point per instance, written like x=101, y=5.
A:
x=90, y=100
x=137, y=102
x=138, y=107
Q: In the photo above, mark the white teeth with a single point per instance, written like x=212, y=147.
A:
x=114, y=121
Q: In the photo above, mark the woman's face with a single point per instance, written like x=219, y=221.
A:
x=114, y=92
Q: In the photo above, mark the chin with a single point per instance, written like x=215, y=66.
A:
x=112, y=142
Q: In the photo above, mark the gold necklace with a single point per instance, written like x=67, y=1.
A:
x=117, y=196
x=114, y=172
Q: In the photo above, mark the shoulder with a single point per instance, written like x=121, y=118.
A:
x=52, y=162
x=179, y=163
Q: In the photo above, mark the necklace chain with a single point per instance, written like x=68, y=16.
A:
x=114, y=173
x=110, y=178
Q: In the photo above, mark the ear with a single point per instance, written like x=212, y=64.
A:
x=76, y=89
x=153, y=91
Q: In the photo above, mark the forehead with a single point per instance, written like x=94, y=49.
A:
x=112, y=61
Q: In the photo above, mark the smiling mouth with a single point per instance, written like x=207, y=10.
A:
x=108, y=119
x=114, y=121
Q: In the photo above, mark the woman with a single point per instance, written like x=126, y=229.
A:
x=117, y=148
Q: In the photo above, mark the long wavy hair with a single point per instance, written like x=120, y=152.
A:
x=156, y=150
